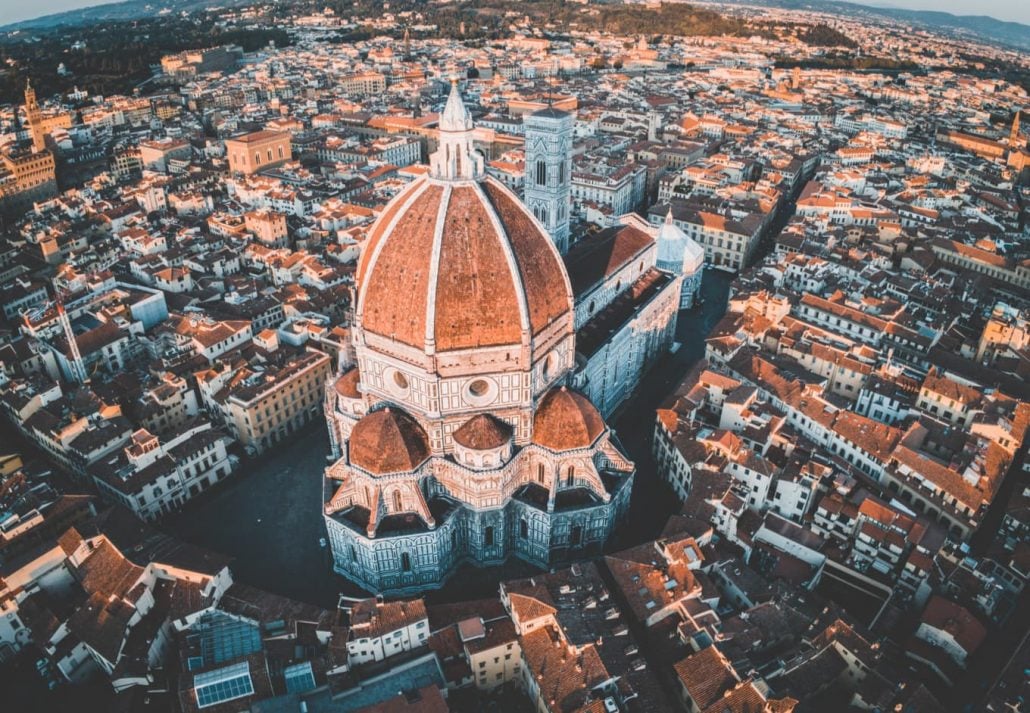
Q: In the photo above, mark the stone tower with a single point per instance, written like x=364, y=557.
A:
x=548, y=184
x=35, y=118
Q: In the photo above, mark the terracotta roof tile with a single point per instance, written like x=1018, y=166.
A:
x=566, y=420
x=483, y=432
x=388, y=441
x=476, y=299
x=539, y=266
x=396, y=286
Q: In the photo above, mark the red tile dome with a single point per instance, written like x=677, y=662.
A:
x=388, y=441
x=483, y=433
x=566, y=420
x=460, y=264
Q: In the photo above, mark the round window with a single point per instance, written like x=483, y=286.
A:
x=550, y=363
x=396, y=382
x=480, y=392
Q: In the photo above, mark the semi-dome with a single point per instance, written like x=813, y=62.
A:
x=483, y=432
x=348, y=383
x=388, y=441
x=566, y=420
x=455, y=261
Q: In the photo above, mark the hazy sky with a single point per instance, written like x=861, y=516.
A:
x=1018, y=10
x=1015, y=10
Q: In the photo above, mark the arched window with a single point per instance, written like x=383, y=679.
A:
x=570, y=477
x=405, y=561
x=540, y=473
x=398, y=503
x=541, y=173
x=561, y=173
x=488, y=536
x=523, y=528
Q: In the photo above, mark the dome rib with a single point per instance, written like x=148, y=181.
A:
x=548, y=294
x=383, y=224
x=397, y=281
x=475, y=289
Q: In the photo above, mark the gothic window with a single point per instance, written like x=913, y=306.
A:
x=454, y=538
x=570, y=477
x=405, y=561
x=541, y=173
x=543, y=215
x=523, y=528
x=540, y=473
x=488, y=536
x=561, y=173
x=398, y=504
x=353, y=554
x=577, y=535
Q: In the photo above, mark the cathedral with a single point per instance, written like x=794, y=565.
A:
x=471, y=425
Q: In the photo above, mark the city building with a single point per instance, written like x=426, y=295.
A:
x=457, y=437
x=548, y=182
x=258, y=150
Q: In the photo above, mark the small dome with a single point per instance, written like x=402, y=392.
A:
x=566, y=420
x=483, y=433
x=675, y=248
x=388, y=441
x=347, y=384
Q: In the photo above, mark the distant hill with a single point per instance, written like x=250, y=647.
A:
x=978, y=27
x=128, y=10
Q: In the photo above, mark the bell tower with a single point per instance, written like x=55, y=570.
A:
x=35, y=118
x=548, y=180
